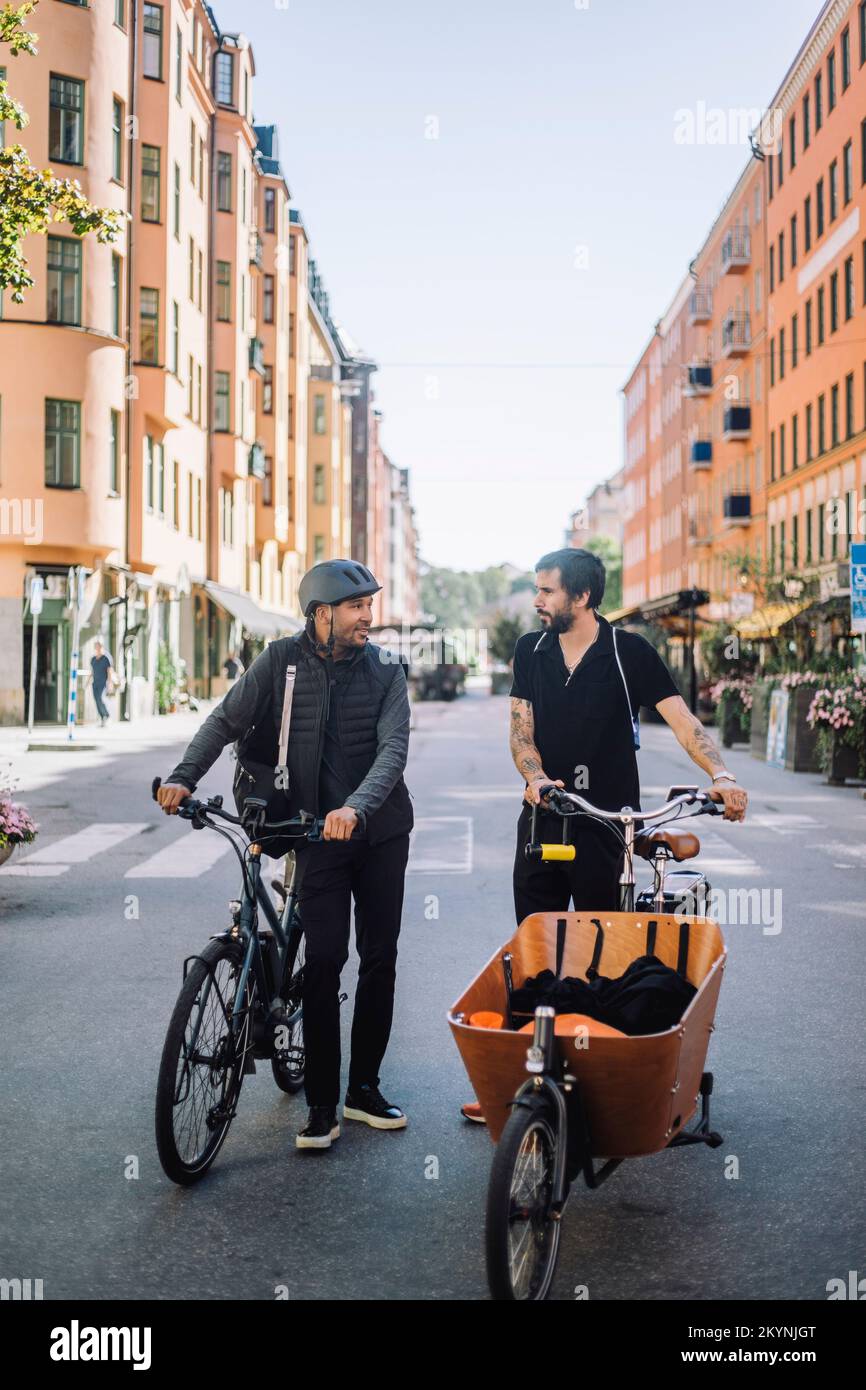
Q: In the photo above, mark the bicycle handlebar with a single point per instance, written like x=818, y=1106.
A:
x=304, y=826
x=569, y=804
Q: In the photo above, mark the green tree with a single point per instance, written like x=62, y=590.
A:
x=610, y=554
x=503, y=637
x=32, y=199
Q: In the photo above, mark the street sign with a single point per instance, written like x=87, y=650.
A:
x=37, y=593
x=858, y=588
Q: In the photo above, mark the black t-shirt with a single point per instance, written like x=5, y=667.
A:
x=583, y=721
x=100, y=666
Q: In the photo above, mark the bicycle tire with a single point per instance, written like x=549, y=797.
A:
x=288, y=1073
x=532, y=1124
x=226, y=1078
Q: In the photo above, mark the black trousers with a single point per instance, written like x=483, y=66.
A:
x=101, y=707
x=331, y=874
x=590, y=881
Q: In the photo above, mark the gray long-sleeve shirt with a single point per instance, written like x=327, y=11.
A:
x=243, y=706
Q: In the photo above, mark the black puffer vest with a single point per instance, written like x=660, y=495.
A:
x=366, y=686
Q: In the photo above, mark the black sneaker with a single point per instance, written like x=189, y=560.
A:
x=321, y=1128
x=368, y=1104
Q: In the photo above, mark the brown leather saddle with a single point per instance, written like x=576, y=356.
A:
x=682, y=844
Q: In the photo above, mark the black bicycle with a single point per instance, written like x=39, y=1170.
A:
x=241, y=998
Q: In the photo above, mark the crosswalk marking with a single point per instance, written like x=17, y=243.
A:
x=24, y=870
x=87, y=843
x=189, y=856
x=446, y=845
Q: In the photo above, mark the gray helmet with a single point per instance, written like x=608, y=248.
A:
x=333, y=581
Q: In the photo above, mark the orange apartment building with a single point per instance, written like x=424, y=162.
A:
x=744, y=418
x=159, y=395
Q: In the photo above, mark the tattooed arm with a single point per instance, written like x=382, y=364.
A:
x=702, y=750
x=527, y=758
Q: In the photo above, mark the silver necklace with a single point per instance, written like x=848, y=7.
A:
x=571, y=669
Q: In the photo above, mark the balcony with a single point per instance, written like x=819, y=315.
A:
x=701, y=306
x=736, y=335
x=256, y=461
x=701, y=455
x=698, y=531
x=257, y=356
x=737, y=422
x=737, y=508
x=257, y=249
x=700, y=379
x=736, y=251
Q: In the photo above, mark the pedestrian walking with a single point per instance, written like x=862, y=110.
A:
x=102, y=675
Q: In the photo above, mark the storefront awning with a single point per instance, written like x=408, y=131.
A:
x=675, y=605
x=257, y=621
x=765, y=622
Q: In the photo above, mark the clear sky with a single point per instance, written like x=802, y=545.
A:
x=507, y=273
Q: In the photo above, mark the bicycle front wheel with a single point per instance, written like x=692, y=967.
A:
x=202, y=1067
x=522, y=1236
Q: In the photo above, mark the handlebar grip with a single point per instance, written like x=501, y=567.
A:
x=155, y=786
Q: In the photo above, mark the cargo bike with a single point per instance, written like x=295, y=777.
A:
x=580, y=1094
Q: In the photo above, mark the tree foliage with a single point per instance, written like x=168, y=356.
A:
x=32, y=199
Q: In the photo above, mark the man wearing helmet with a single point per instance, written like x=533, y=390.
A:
x=348, y=740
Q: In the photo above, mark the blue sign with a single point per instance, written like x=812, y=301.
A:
x=858, y=588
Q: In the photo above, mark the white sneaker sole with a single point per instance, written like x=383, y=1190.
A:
x=322, y=1141
x=375, y=1121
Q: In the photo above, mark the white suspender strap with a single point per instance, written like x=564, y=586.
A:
x=622, y=675
x=288, y=696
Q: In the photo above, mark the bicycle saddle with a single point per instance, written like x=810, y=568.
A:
x=683, y=844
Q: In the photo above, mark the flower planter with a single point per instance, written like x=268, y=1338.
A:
x=760, y=717
x=735, y=725
x=6, y=851
x=843, y=763
x=801, y=753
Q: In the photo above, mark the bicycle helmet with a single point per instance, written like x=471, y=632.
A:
x=333, y=581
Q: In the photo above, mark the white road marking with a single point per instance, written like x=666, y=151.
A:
x=86, y=844
x=24, y=870
x=441, y=844
x=782, y=823
x=188, y=856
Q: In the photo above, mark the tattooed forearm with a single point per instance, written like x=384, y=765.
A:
x=527, y=758
x=701, y=748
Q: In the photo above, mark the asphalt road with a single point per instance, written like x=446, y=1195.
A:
x=90, y=964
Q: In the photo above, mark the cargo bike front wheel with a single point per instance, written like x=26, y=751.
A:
x=523, y=1229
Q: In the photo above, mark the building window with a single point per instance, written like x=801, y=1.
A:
x=809, y=536
x=200, y=280
x=175, y=337
x=199, y=396
x=772, y=456
x=780, y=162
x=319, y=484
x=781, y=257
x=268, y=482
x=781, y=354
x=806, y=130
x=831, y=82
x=243, y=206
x=270, y=209
x=848, y=172
x=293, y=240
x=152, y=49
x=117, y=140
x=820, y=315
x=819, y=208
x=845, y=50
x=795, y=441
x=821, y=515
x=64, y=280
x=201, y=168
x=178, y=64
x=150, y=183
x=225, y=78
x=782, y=450
x=792, y=153
x=863, y=269
x=861, y=25
x=834, y=415
x=772, y=268
x=808, y=440
x=793, y=240
x=268, y=390
x=222, y=401
x=190, y=384
x=148, y=344
x=834, y=301
x=160, y=479
x=224, y=291
x=175, y=495
x=116, y=296
x=192, y=145
x=849, y=405
x=224, y=181
x=114, y=452
x=177, y=202
x=795, y=541
x=808, y=327
x=190, y=260
x=148, y=472
x=319, y=422
x=807, y=224
x=120, y=13
x=819, y=113
x=246, y=110
x=62, y=443
x=849, y=288
x=822, y=425
x=290, y=422
x=318, y=549
x=268, y=300
x=795, y=346
x=834, y=190
x=772, y=361
x=66, y=120
x=292, y=328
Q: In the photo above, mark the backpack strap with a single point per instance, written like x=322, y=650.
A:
x=651, y=929
x=592, y=968
x=286, y=719
x=560, y=945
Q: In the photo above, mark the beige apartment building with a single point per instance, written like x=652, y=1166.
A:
x=160, y=397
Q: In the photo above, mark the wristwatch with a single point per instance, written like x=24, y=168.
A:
x=724, y=777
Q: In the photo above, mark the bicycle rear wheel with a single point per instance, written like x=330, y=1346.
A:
x=288, y=1061
x=522, y=1237
x=202, y=1066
